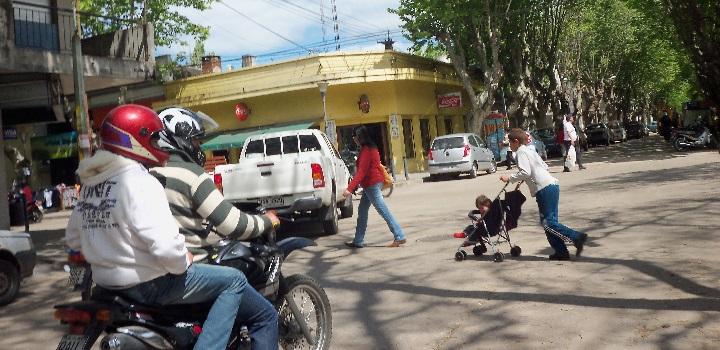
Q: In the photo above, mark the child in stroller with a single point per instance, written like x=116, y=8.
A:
x=492, y=219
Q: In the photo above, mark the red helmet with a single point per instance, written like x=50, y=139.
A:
x=132, y=131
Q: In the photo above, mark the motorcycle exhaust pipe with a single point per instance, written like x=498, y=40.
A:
x=134, y=338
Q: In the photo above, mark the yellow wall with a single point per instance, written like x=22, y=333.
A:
x=395, y=84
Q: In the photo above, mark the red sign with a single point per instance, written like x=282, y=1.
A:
x=242, y=112
x=450, y=100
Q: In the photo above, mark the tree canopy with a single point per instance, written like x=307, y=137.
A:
x=602, y=59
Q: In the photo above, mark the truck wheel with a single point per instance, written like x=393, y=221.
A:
x=9, y=282
x=330, y=219
x=346, y=211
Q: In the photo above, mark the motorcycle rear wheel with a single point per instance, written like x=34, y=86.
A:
x=313, y=304
x=678, y=144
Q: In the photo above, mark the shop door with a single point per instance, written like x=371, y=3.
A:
x=349, y=150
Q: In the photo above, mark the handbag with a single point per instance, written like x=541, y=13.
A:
x=387, y=178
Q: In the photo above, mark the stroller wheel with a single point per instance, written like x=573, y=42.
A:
x=515, y=251
x=498, y=257
x=460, y=255
x=478, y=250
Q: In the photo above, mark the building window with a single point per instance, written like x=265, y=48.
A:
x=448, y=126
x=425, y=134
x=408, y=136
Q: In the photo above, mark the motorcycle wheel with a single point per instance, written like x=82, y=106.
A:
x=677, y=144
x=37, y=215
x=313, y=305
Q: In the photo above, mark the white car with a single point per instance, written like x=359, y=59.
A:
x=297, y=173
x=17, y=261
x=459, y=153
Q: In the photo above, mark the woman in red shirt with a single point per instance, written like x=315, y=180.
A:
x=370, y=177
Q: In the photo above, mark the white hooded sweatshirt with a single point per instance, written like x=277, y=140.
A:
x=123, y=225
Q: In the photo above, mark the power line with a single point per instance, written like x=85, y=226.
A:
x=263, y=26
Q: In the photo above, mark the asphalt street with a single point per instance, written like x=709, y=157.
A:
x=646, y=280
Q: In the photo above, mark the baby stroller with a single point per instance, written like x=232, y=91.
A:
x=502, y=217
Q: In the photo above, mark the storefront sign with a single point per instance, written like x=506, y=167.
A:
x=242, y=112
x=330, y=131
x=10, y=133
x=450, y=100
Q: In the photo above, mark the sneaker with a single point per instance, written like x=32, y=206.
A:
x=354, y=245
x=396, y=243
x=560, y=257
x=580, y=243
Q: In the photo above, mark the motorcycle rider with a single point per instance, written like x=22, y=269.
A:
x=193, y=198
x=123, y=225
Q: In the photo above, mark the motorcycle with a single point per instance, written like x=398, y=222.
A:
x=683, y=139
x=305, y=318
x=35, y=211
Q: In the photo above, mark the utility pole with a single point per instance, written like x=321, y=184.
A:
x=81, y=111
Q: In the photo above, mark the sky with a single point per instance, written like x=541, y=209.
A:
x=292, y=28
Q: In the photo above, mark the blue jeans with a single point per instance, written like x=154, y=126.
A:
x=233, y=299
x=547, y=201
x=373, y=194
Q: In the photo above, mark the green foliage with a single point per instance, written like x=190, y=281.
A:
x=170, y=26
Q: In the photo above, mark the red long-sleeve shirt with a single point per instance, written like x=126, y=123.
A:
x=367, y=169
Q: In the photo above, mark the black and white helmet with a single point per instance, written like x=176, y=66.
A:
x=181, y=127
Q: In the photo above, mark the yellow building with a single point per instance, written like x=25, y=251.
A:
x=396, y=95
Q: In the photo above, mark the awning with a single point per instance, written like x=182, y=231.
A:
x=237, y=139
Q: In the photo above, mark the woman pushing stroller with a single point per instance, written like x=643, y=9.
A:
x=546, y=190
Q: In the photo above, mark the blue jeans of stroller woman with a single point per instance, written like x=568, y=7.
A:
x=373, y=194
x=547, y=200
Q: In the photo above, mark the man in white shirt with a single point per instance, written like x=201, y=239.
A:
x=571, y=139
x=546, y=190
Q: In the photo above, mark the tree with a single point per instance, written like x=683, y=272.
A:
x=169, y=25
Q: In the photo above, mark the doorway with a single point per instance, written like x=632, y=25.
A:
x=348, y=148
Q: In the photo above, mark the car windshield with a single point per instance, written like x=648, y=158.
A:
x=594, y=126
x=448, y=142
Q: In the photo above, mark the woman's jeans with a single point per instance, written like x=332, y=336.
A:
x=373, y=194
x=547, y=200
x=233, y=298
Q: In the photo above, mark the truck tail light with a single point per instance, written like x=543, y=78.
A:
x=466, y=152
x=217, y=178
x=317, y=175
x=429, y=156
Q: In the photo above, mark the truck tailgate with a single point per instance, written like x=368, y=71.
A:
x=267, y=179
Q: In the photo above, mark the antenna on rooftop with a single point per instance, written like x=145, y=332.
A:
x=335, y=25
x=387, y=42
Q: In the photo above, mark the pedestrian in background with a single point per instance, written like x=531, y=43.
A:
x=546, y=190
x=570, y=138
x=369, y=175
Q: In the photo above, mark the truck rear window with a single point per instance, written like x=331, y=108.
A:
x=285, y=145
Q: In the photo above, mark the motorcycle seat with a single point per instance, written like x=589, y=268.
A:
x=110, y=296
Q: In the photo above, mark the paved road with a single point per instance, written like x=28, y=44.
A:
x=647, y=279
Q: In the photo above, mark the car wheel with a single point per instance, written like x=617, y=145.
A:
x=473, y=171
x=330, y=222
x=9, y=282
x=492, y=168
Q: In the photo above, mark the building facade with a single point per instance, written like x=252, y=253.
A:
x=405, y=100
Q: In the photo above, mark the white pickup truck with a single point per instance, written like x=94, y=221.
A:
x=297, y=173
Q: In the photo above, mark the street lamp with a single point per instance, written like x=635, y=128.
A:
x=323, y=86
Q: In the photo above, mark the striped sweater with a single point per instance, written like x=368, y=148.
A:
x=193, y=198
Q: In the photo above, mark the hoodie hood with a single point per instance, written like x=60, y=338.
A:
x=102, y=165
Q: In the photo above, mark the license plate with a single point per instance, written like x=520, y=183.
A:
x=276, y=201
x=72, y=342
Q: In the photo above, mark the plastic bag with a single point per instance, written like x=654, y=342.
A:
x=571, y=157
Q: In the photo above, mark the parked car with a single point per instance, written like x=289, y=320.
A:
x=459, y=153
x=547, y=136
x=652, y=126
x=598, y=134
x=534, y=143
x=17, y=261
x=297, y=173
x=636, y=130
x=617, y=132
